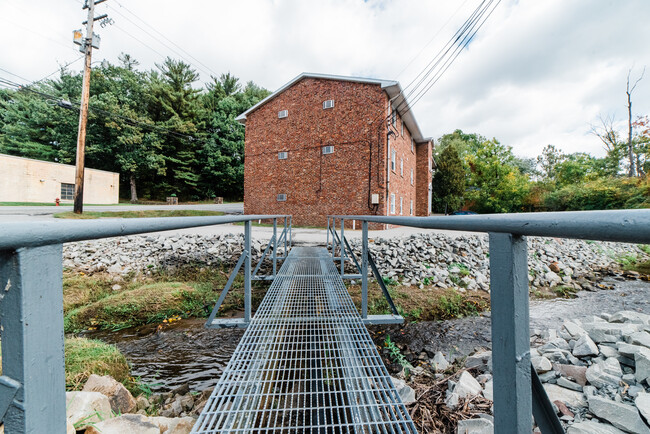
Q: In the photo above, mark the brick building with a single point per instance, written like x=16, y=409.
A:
x=324, y=144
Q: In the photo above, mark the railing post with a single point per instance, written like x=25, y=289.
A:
x=247, y=271
x=290, y=231
x=328, y=232
x=275, y=246
x=510, y=333
x=31, y=308
x=364, y=270
x=285, y=237
x=342, y=248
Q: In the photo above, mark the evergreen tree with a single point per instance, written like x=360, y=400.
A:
x=448, y=181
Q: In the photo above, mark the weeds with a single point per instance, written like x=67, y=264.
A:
x=397, y=356
x=565, y=291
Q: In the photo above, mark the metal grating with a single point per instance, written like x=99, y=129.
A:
x=306, y=363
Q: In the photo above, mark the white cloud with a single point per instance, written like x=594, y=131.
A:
x=538, y=72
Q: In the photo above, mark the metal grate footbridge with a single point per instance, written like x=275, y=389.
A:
x=306, y=363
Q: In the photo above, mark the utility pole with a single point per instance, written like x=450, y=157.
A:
x=87, y=47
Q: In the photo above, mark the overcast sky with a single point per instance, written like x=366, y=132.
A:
x=537, y=73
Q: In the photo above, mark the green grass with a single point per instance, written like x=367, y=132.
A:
x=84, y=357
x=190, y=291
x=137, y=214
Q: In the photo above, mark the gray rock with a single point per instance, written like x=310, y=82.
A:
x=125, y=424
x=467, y=386
x=120, y=398
x=642, y=365
x=639, y=338
x=488, y=390
x=541, y=364
x=481, y=360
x=86, y=408
x=609, y=332
x=475, y=426
x=593, y=427
x=439, y=362
x=622, y=416
x=568, y=384
x=608, y=351
x=404, y=391
x=569, y=397
x=574, y=329
x=628, y=316
x=452, y=401
x=584, y=346
x=642, y=403
x=633, y=392
x=599, y=376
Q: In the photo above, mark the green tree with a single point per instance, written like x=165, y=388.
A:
x=448, y=184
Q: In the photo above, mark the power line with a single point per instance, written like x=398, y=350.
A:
x=203, y=66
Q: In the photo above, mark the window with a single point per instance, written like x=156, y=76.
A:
x=67, y=191
x=402, y=128
x=411, y=176
x=283, y=155
x=412, y=145
x=328, y=104
x=400, y=205
x=328, y=149
x=411, y=206
x=392, y=203
x=401, y=166
x=283, y=114
x=282, y=197
x=393, y=118
x=393, y=157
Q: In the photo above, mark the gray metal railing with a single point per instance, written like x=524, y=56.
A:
x=32, y=385
x=518, y=393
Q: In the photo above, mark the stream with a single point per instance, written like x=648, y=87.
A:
x=184, y=352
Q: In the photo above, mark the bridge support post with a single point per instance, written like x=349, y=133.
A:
x=342, y=248
x=247, y=271
x=327, y=244
x=510, y=333
x=286, y=233
x=32, y=389
x=364, y=270
x=275, y=246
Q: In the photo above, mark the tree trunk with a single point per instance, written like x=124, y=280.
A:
x=630, y=145
x=134, y=193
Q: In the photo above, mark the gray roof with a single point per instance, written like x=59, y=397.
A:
x=391, y=87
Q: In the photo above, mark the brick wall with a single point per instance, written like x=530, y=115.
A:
x=318, y=184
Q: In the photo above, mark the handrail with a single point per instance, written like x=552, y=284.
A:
x=518, y=394
x=14, y=235
x=31, y=307
x=627, y=226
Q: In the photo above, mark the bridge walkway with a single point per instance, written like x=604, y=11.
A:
x=306, y=363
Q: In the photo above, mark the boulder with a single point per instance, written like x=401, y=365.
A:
x=574, y=329
x=628, y=316
x=541, y=364
x=179, y=425
x=639, y=338
x=86, y=408
x=467, y=386
x=439, y=362
x=125, y=424
x=578, y=373
x=488, y=390
x=622, y=416
x=608, y=332
x=642, y=403
x=121, y=399
x=475, y=426
x=642, y=365
x=569, y=397
x=481, y=360
x=584, y=346
x=405, y=392
x=599, y=376
x=593, y=427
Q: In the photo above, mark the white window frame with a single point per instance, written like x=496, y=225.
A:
x=412, y=145
x=283, y=114
x=328, y=104
x=401, y=202
x=393, y=117
x=392, y=203
x=281, y=197
x=411, y=176
x=283, y=155
x=402, y=128
x=329, y=149
x=411, y=206
x=393, y=162
x=401, y=167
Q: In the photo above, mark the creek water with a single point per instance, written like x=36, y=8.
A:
x=184, y=352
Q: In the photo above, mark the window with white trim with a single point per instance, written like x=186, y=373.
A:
x=283, y=155
x=393, y=118
x=402, y=128
x=392, y=203
x=401, y=167
x=67, y=191
x=411, y=206
x=411, y=176
x=328, y=149
x=393, y=163
x=283, y=114
x=400, y=205
x=412, y=145
x=282, y=197
x=328, y=104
